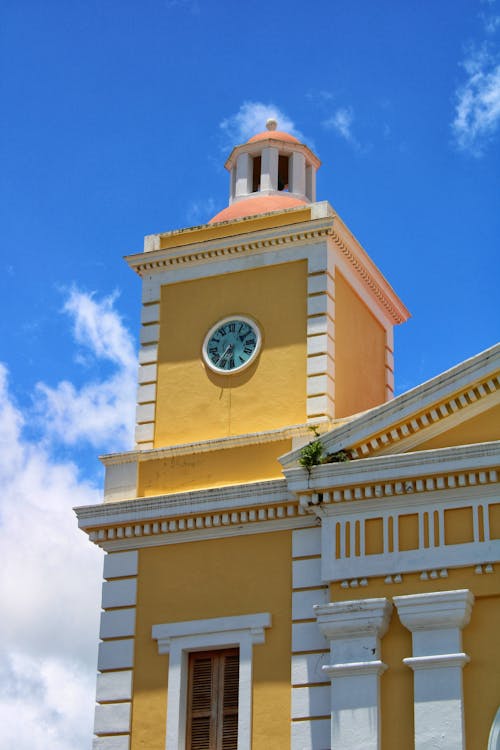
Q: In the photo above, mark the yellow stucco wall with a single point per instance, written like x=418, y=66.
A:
x=194, y=403
x=216, y=578
x=196, y=471
x=359, y=353
x=479, y=429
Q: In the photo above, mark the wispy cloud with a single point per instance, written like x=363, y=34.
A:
x=192, y=6
x=96, y=409
x=341, y=123
x=50, y=574
x=251, y=119
x=477, y=107
x=200, y=211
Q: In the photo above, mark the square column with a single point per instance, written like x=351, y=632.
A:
x=311, y=183
x=243, y=175
x=436, y=621
x=297, y=176
x=269, y=169
x=354, y=630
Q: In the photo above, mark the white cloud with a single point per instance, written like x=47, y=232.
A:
x=200, y=211
x=251, y=119
x=50, y=573
x=477, y=109
x=98, y=409
x=341, y=123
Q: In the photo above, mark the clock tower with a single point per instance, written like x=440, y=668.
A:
x=254, y=603
x=267, y=320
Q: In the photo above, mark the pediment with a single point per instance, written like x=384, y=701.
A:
x=458, y=407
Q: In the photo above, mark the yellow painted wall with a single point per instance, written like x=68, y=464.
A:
x=193, y=403
x=196, y=471
x=479, y=429
x=359, y=353
x=216, y=578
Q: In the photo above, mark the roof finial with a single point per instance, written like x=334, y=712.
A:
x=271, y=123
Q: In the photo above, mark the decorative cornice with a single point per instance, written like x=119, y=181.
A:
x=419, y=414
x=207, y=446
x=205, y=513
x=257, y=241
x=382, y=291
x=400, y=474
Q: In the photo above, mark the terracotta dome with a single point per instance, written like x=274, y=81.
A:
x=278, y=135
x=261, y=204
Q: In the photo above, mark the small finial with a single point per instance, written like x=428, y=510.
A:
x=271, y=124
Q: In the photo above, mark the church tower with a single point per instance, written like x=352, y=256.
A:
x=230, y=568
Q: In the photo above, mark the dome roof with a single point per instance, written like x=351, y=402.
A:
x=278, y=135
x=260, y=204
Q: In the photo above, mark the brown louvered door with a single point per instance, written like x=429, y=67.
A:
x=212, y=721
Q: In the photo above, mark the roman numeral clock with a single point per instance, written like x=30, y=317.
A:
x=232, y=344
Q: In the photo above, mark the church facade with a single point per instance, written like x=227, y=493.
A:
x=295, y=558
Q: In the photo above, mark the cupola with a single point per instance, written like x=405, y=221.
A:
x=272, y=171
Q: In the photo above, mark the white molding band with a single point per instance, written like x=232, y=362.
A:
x=354, y=630
x=436, y=621
x=179, y=638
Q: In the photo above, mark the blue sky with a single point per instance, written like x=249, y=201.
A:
x=117, y=118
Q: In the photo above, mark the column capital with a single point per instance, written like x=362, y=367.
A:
x=435, y=611
x=340, y=620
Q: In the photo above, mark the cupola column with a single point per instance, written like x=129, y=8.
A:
x=311, y=183
x=297, y=169
x=269, y=169
x=243, y=175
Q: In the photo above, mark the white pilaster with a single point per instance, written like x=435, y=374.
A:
x=311, y=183
x=354, y=630
x=269, y=169
x=243, y=175
x=297, y=170
x=436, y=621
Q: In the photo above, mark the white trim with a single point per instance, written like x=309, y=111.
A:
x=179, y=638
x=215, y=444
x=494, y=738
x=438, y=389
x=436, y=620
x=354, y=629
x=113, y=742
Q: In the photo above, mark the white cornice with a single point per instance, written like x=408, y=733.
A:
x=217, y=444
x=286, y=147
x=199, y=501
x=419, y=465
x=240, y=243
x=362, y=264
x=382, y=424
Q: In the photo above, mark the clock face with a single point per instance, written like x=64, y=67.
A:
x=231, y=344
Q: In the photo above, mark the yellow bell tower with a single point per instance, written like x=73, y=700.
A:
x=318, y=316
